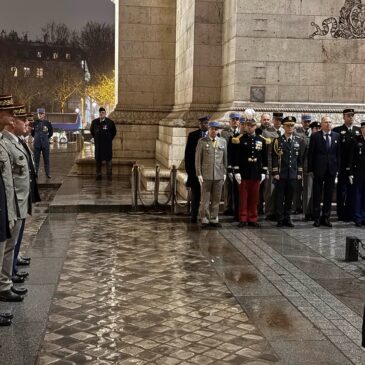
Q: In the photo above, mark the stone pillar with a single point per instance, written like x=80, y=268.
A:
x=197, y=74
x=146, y=74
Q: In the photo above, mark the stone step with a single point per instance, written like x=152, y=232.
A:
x=148, y=179
x=85, y=165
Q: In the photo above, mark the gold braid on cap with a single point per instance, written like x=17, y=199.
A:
x=20, y=111
x=6, y=102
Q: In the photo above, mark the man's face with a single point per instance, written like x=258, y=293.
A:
x=326, y=124
x=276, y=122
x=349, y=118
x=305, y=124
x=203, y=126
x=6, y=118
x=289, y=128
x=315, y=129
x=19, y=127
x=41, y=116
x=102, y=114
x=213, y=131
x=243, y=128
x=234, y=122
x=27, y=128
x=251, y=128
x=265, y=120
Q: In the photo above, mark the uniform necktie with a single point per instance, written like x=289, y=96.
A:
x=289, y=142
x=278, y=132
x=328, y=142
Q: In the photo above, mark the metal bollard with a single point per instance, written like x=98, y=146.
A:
x=157, y=186
x=135, y=184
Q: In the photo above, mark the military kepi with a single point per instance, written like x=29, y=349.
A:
x=214, y=124
x=362, y=123
x=278, y=115
x=7, y=103
x=315, y=124
x=234, y=115
x=204, y=118
x=348, y=111
x=41, y=111
x=288, y=121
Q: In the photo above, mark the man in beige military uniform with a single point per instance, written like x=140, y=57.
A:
x=211, y=165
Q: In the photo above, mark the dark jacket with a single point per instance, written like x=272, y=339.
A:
x=287, y=159
x=355, y=162
x=4, y=221
x=250, y=156
x=363, y=330
x=321, y=161
x=42, y=131
x=103, y=134
x=190, y=148
x=346, y=140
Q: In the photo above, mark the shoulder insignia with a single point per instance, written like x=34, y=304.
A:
x=236, y=140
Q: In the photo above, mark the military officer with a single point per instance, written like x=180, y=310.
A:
x=22, y=183
x=250, y=167
x=42, y=131
x=211, y=167
x=103, y=131
x=345, y=194
x=287, y=169
x=192, y=181
x=231, y=190
x=356, y=171
x=10, y=230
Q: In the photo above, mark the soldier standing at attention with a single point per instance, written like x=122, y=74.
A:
x=193, y=182
x=103, y=131
x=211, y=166
x=287, y=170
x=42, y=131
x=250, y=167
x=356, y=171
x=231, y=190
x=345, y=195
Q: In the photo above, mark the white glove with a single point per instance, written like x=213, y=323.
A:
x=11, y=224
x=276, y=177
x=224, y=177
x=299, y=177
x=351, y=179
x=200, y=178
x=238, y=178
x=230, y=175
x=263, y=177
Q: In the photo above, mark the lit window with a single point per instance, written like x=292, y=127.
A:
x=26, y=71
x=39, y=73
x=55, y=55
x=39, y=54
x=68, y=56
x=14, y=71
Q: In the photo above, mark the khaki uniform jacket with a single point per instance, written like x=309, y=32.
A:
x=21, y=174
x=7, y=174
x=210, y=161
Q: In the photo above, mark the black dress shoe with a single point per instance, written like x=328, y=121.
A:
x=316, y=223
x=9, y=296
x=6, y=315
x=5, y=321
x=271, y=217
x=280, y=224
x=254, y=224
x=241, y=224
x=22, y=274
x=17, y=279
x=216, y=225
x=289, y=224
x=326, y=222
x=22, y=262
x=19, y=291
x=49, y=177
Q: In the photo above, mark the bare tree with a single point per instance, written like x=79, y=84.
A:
x=56, y=33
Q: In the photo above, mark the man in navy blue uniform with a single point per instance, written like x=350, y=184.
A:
x=42, y=131
x=103, y=131
x=345, y=193
x=287, y=170
x=193, y=182
x=324, y=158
x=356, y=172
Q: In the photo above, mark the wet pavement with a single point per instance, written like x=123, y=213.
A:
x=117, y=288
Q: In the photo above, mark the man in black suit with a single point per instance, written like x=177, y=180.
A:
x=324, y=158
x=345, y=191
x=193, y=182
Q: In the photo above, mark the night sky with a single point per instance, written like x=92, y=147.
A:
x=31, y=15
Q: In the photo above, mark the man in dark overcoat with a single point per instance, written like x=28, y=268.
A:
x=103, y=131
x=42, y=131
x=192, y=181
x=324, y=158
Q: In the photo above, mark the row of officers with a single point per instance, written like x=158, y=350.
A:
x=277, y=168
x=18, y=190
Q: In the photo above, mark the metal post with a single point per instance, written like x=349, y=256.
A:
x=173, y=188
x=135, y=184
x=157, y=186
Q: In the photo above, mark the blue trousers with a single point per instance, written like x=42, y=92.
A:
x=17, y=246
x=37, y=157
x=359, y=201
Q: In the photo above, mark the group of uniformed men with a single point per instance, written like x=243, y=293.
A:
x=18, y=190
x=278, y=169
